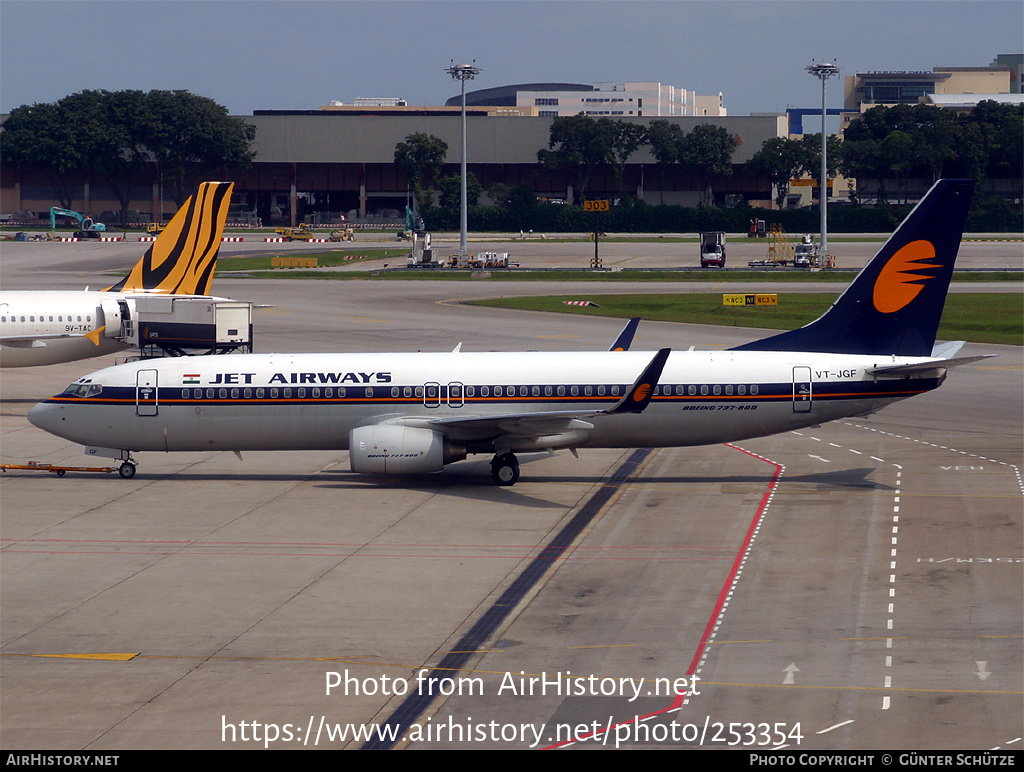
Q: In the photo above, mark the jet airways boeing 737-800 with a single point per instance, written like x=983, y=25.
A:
x=41, y=327
x=415, y=413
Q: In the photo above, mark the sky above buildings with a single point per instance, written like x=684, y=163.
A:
x=268, y=54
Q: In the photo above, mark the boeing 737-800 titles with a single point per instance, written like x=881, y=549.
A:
x=43, y=328
x=415, y=413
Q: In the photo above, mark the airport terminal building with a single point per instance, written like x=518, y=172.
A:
x=342, y=160
x=314, y=165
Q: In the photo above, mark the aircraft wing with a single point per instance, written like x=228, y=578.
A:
x=544, y=422
x=38, y=341
x=625, y=339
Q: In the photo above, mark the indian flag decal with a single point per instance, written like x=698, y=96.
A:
x=190, y=378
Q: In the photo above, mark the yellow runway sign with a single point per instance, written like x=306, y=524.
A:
x=751, y=300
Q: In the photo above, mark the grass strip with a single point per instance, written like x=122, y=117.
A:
x=976, y=317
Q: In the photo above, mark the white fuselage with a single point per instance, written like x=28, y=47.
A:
x=45, y=328
x=313, y=401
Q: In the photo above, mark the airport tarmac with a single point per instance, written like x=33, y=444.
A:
x=855, y=586
x=68, y=265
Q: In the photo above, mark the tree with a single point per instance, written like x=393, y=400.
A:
x=41, y=136
x=999, y=129
x=187, y=137
x=626, y=139
x=419, y=156
x=666, y=141
x=781, y=160
x=118, y=136
x=500, y=194
x=926, y=142
x=451, y=191
x=578, y=144
x=708, y=150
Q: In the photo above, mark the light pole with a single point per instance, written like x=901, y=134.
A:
x=824, y=70
x=462, y=73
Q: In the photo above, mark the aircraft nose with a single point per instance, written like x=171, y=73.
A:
x=47, y=417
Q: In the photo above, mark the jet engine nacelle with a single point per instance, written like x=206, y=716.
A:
x=397, y=449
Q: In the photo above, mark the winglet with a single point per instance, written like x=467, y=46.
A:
x=642, y=391
x=182, y=259
x=625, y=339
x=895, y=303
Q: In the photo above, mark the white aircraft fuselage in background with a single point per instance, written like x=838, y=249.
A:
x=42, y=327
x=45, y=328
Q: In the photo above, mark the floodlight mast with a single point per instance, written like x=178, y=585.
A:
x=824, y=71
x=462, y=73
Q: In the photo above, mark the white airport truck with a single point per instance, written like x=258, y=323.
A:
x=712, y=249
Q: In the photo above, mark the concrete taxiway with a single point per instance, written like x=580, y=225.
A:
x=853, y=586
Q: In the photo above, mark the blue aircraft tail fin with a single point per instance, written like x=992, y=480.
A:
x=895, y=303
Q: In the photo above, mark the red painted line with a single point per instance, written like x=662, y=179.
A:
x=716, y=612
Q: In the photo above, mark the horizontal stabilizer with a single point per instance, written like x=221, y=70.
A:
x=924, y=367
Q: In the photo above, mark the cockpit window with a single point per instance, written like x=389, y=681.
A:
x=83, y=390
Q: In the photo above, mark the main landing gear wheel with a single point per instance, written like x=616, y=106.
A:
x=505, y=469
x=126, y=470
